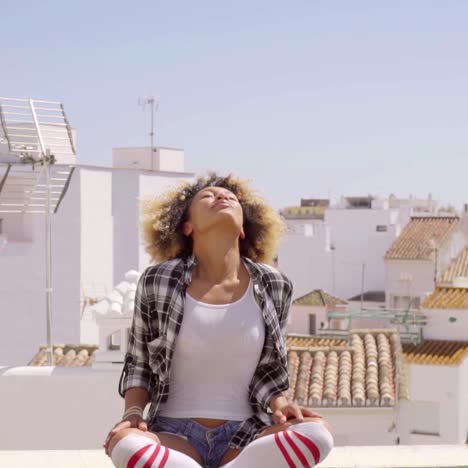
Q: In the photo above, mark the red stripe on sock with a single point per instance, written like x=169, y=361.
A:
x=310, y=445
x=135, y=457
x=151, y=459
x=285, y=453
x=164, y=458
x=297, y=450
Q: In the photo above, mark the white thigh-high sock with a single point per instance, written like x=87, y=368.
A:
x=302, y=445
x=138, y=451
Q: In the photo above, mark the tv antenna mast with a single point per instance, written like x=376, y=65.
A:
x=37, y=158
x=153, y=104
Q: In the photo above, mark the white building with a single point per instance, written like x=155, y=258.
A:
x=96, y=239
x=340, y=248
x=419, y=256
x=308, y=314
x=438, y=370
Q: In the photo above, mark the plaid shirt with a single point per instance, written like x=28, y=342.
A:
x=159, y=308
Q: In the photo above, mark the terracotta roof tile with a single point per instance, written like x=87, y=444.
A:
x=436, y=352
x=414, y=242
x=332, y=372
x=447, y=298
x=67, y=355
x=318, y=297
x=308, y=341
x=458, y=268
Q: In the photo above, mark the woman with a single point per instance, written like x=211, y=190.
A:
x=206, y=347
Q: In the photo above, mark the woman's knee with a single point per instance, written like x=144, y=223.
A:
x=320, y=420
x=285, y=426
x=118, y=436
x=317, y=431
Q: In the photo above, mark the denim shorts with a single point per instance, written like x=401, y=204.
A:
x=211, y=443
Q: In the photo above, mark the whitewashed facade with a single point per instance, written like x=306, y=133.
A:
x=439, y=404
x=412, y=280
x=344, y=251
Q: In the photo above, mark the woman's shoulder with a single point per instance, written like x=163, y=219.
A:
x=166, y=269
x=270, y=274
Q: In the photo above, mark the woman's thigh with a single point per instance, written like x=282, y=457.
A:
x=229, y=456
x=180, y=444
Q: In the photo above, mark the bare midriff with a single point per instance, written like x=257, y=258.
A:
x=210, y=422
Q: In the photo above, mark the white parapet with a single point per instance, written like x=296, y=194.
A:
x=113, y=317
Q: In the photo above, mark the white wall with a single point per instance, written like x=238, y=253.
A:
x=439, y=384
x=306, y=262
x=22, y=281
x=439, y=327
x=142, y=158
x=298, y=320
x=311, y=264
x=125, y=214
x=463, y=401
x=353, y=232
x=360, y=426
x=96, y=230
x=57, y=407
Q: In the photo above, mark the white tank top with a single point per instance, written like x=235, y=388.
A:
x=215, y=357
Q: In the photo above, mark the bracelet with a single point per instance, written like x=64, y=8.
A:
x=133, y=411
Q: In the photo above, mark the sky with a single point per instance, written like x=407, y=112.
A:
x=305, y=98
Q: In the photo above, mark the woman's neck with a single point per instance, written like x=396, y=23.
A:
x=217, y=260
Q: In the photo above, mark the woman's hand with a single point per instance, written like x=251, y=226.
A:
x=133, y=421
x=292, y=411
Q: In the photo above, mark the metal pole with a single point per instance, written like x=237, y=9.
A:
x=48, y=259
x=333, y=270
x=46, y=157
x=151, y=103
x=362, y=285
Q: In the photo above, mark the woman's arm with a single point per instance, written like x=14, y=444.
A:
x=136, y=397
x=136, y=372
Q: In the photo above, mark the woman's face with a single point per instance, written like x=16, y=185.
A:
x=214, y=206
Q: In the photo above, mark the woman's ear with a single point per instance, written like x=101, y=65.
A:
x=187, y=229
x=242, y=234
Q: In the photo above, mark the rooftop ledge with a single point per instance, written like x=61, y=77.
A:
x=415, y=456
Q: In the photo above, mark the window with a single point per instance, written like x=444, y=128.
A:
x=113, y=341
x=425, y=418
x=312, y=324
x=381, y=228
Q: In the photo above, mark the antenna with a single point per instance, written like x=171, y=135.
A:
x=153, y=104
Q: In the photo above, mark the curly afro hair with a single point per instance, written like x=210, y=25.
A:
x=164, y=217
